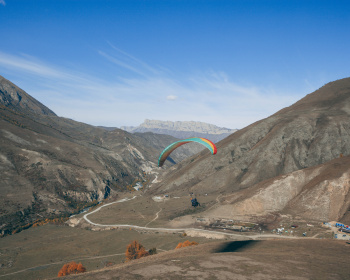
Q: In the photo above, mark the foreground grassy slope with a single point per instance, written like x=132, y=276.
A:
x=266, y=259
x=40, y=252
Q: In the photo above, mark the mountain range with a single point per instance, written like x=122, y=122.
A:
x=52, y=166
x=295, y=162
x=287, y=173
x=182, y=129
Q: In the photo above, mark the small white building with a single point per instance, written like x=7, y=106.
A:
x=138, y=186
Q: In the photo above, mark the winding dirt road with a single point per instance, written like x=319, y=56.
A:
x=207, y=233
x=188, y=231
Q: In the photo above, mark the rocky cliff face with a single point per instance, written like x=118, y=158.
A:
x=311, y=132
x=317, y=193
x=182, y=130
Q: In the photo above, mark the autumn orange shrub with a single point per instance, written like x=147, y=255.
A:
x=186, y=244
x=71, y=268
x=134, y=251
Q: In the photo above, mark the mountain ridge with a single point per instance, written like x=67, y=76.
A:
x=57, y=161
x=286, y=171
x=182, y=129
x=17, y=99
x=58, y=165
x=311, y=132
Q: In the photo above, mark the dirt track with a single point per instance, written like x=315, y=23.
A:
x=194, y=232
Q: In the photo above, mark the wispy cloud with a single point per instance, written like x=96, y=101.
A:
x=210, y=97
x=135, y=60
x=123, y=64
x=171, y=97
x=2, y=2
x=27, y=64
x=129, y=62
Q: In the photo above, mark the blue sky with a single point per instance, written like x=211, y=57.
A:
x=228, y=63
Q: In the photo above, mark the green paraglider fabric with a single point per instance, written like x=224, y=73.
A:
x=168, y=150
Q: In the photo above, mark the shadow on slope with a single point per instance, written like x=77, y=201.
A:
x=236, y=246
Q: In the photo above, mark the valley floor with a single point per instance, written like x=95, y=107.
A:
x=98, y=240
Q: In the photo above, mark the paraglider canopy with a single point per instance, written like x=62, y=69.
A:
x=168, y=150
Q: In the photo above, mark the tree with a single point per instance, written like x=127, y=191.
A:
x=71, y=268
x=152, y=251
x=186, y=244
x=135, y=250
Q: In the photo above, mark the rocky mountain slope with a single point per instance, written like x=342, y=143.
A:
x=52, y=166
x=16, y=99
x=311, y=132
x=182, y=129
x=320, y=193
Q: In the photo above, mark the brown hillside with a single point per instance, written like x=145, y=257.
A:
x=311, y=132
x=52, y=166
x=320, y=193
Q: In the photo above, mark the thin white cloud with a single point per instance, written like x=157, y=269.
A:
x=2, y=2
x=171, y=97
x=27, y=65
x=211, y=98
x=122, y=64
x=129, y=62
x=135, y=60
